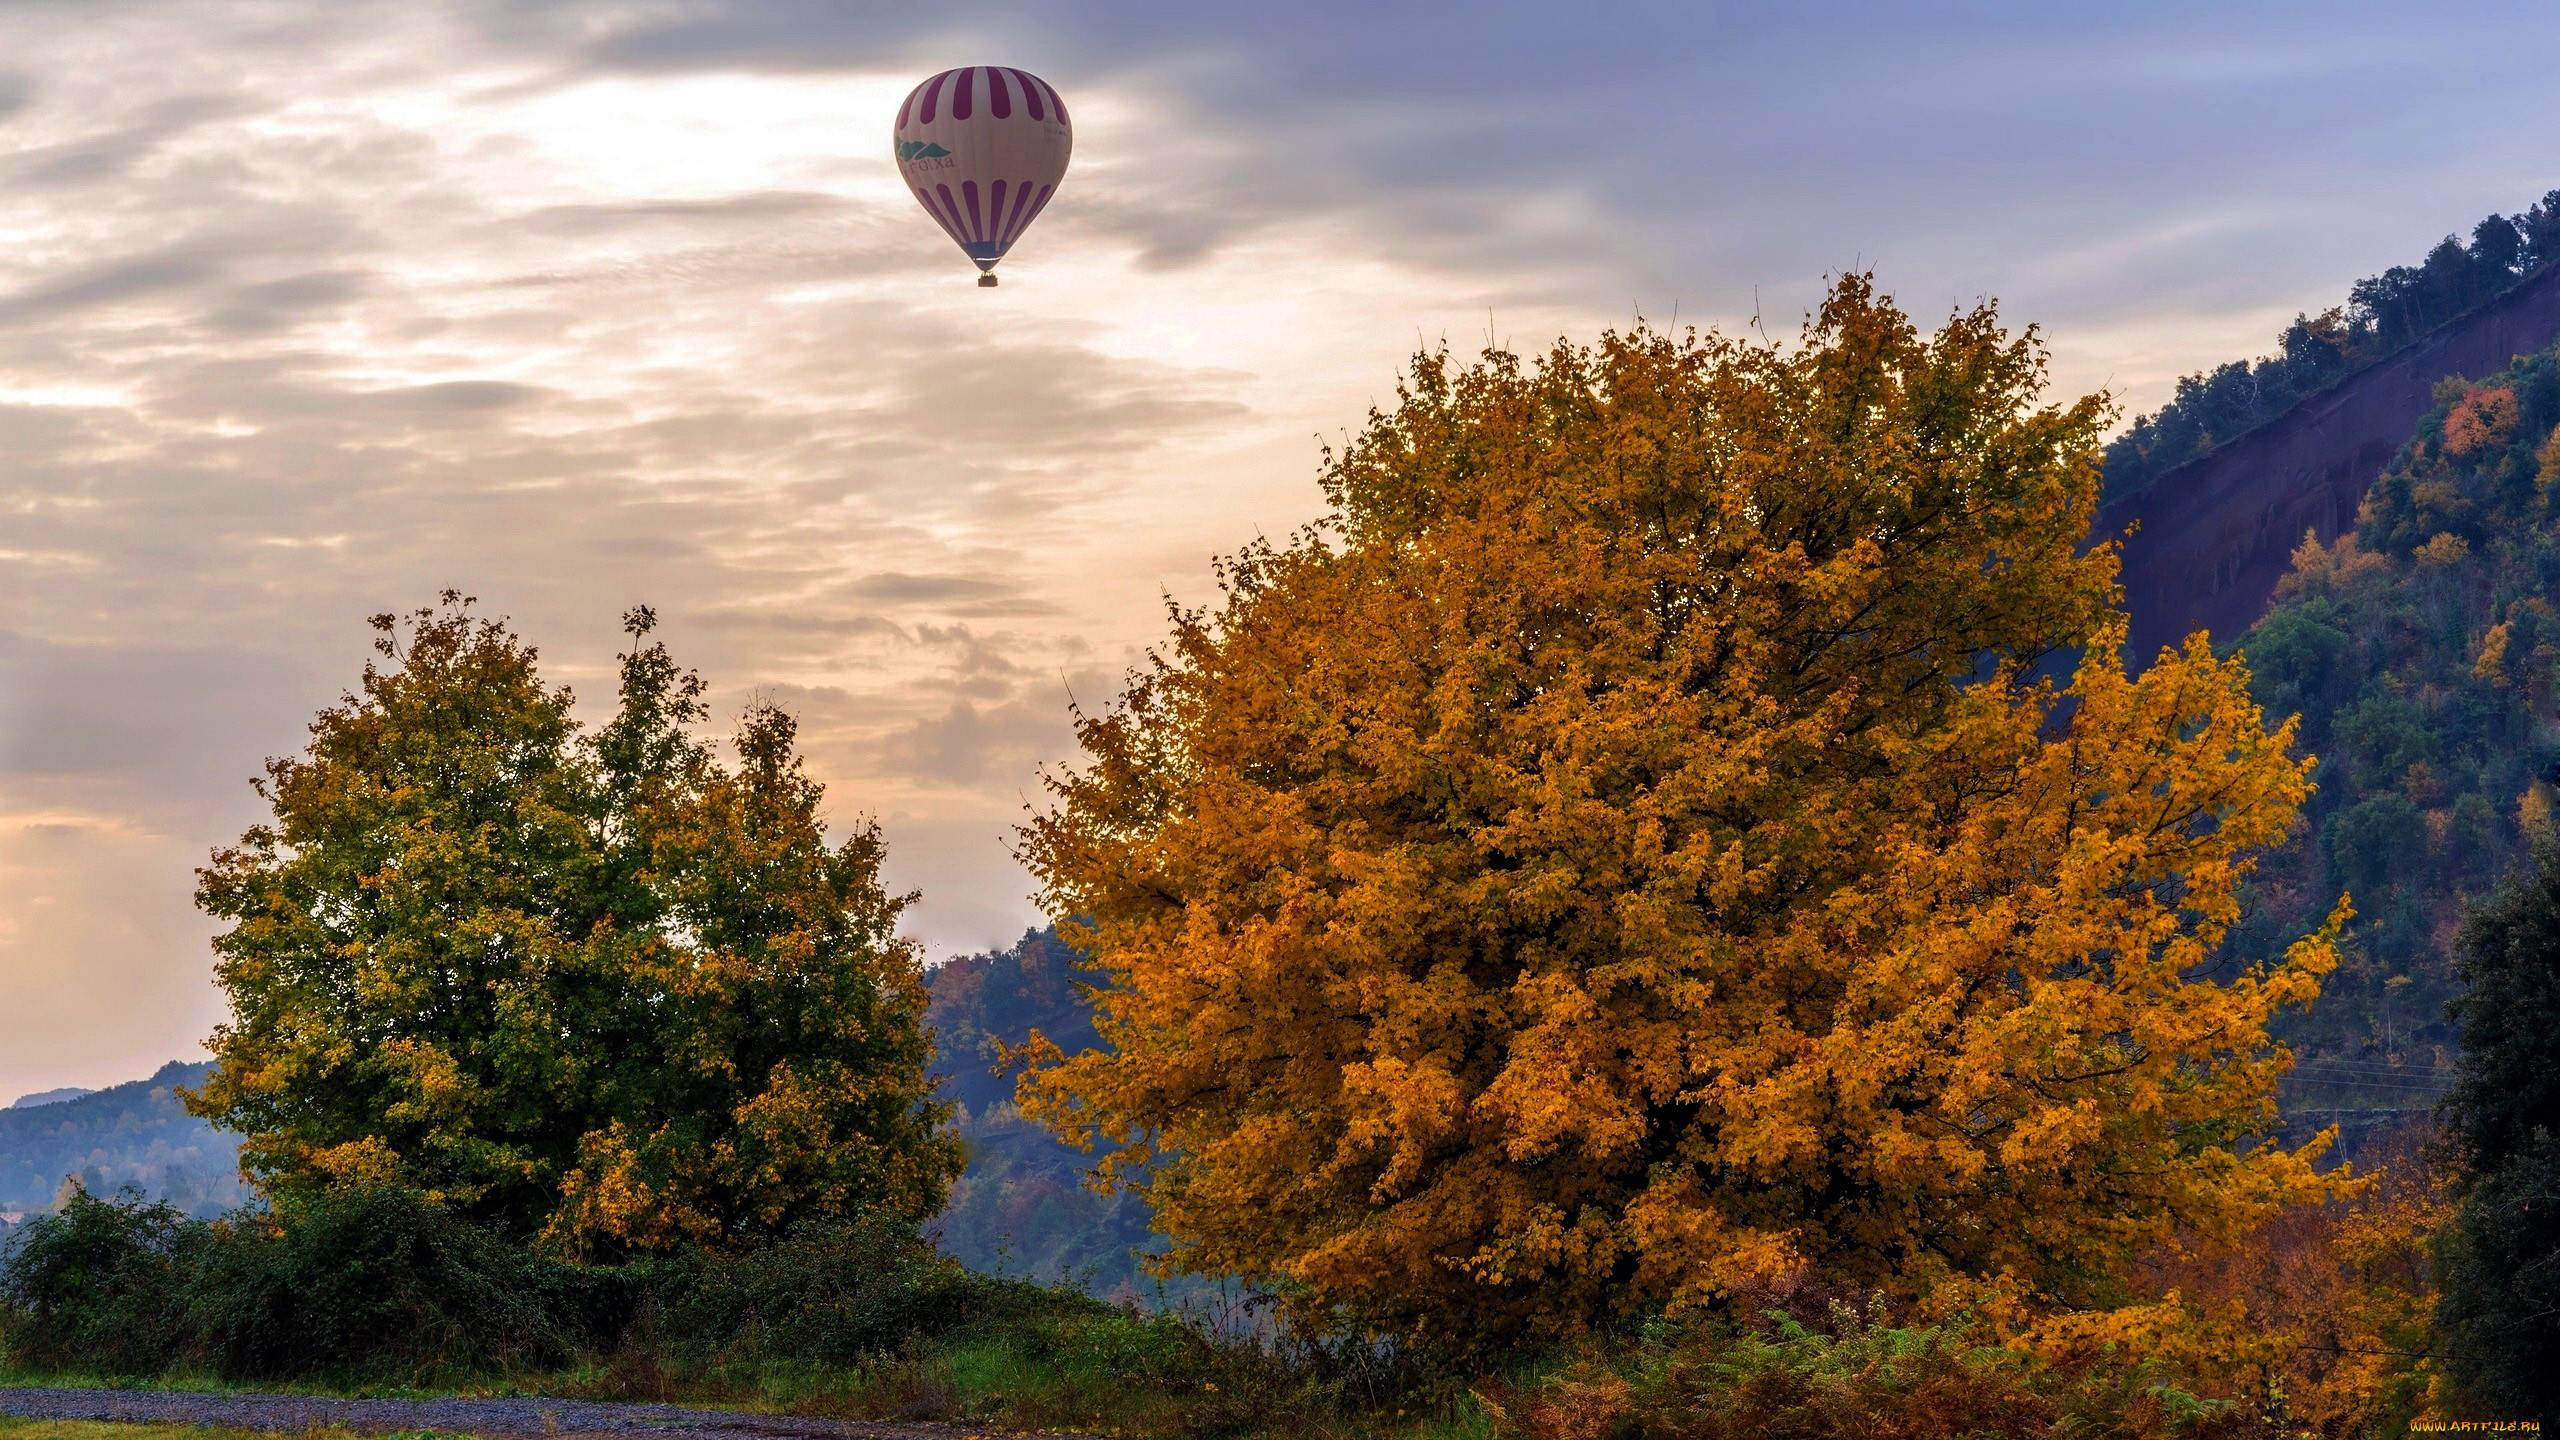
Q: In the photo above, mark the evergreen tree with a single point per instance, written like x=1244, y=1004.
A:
x=2499, y=1318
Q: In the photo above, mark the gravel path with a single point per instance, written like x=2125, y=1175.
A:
x=513, y=1416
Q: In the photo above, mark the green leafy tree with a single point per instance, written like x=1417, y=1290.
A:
x=600, y=989
x=2369, y=841
x=2499, y=1318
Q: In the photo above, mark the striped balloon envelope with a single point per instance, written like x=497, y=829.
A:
x=983, y=148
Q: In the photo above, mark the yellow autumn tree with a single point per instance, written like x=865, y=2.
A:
x=1625, y=854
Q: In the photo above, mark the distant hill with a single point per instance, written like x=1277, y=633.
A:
x=49, y=1097
x=2422, y=651
x=135, y=1134
x=2384, y=315
x=2210, y=540
x=980, y=1001
x=1022, y=1206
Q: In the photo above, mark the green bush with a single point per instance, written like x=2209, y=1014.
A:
x=1157, y=1350
x=357, y=1282
x=830, y=1292
x=380, y=1280
x=98, y=1286
x=383, y=1282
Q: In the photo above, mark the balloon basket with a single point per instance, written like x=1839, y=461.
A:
x=986, y=282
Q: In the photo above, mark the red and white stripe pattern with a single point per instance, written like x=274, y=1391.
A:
x=983, y=148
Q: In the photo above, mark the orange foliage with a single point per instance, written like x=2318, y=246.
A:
x=2326, y=1306
x=2340, y=566
x=2444, y=551
x=2479, y=420
x=2491, y=663
x=1600, y=869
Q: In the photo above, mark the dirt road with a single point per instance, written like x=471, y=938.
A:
x=511, y=1417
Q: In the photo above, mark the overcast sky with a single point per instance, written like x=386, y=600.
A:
x=310, y=309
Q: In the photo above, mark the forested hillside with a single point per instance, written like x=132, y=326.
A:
x=2383, y=314
x=1021, y=1206
x=134, y=1134
x=2420, y=652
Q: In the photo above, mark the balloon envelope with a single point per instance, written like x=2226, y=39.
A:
x=983, y=148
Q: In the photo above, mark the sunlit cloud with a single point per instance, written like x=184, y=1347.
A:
x=309, y=311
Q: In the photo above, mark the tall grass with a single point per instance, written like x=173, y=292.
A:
x=1856, y=1375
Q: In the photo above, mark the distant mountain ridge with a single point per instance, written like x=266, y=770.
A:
x=2384, y=314
x=134, y=1134
x=50, y=1097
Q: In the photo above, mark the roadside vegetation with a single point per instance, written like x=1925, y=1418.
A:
x=1621, y=932
x=16, y=1428
x=384, y=1292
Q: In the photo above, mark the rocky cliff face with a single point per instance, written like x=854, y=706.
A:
x=2210, y=539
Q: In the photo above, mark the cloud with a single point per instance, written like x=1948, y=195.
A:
x=759, y=208
x=894, y=585
x=447, y=397
x=105, y=285
x=316, y=290
x=970, y=742
x=131, y=712
x=311, y=311
x=275, y=305
x=107, y=154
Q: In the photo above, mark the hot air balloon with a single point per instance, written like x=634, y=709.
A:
x=983, y=148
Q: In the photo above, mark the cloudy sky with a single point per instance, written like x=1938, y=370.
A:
x=310, y=309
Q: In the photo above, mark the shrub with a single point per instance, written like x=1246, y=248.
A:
x=831, y=1291
x=381, y=1279
x=1159, y=1350
x=95, y=1286
x=371, y=1281
x=1854, y=1380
